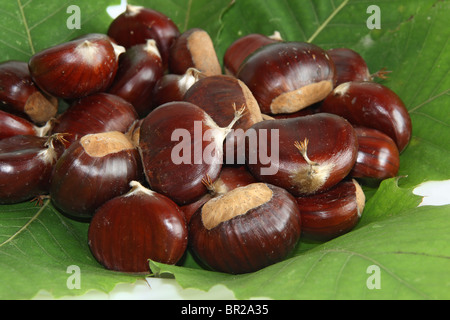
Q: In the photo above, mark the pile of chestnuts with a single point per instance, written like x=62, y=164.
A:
x=163, y=149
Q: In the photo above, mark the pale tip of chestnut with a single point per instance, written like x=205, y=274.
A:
x=230, y=205
x=341, y=89
x=152, y=47
x=311, y=178
x=301, y=98
x=360, y=198
x=137, y=187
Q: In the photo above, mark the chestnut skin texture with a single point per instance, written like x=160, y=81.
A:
x=26, y=165
x=249, y=242
x=182, y=182
x=350, y=66
x=20, y=95
x=138, y=24
x=329, y=214
x=378, y=156
x=332, y=145
x=81, y=183
x=100, y=112
x=280, y=68
x=128, y=230
x=140, y=67
x=76, y=68
x=13, y=125
x=243, y=47
x=372, y=105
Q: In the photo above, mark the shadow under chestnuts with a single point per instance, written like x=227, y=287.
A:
x=163, y=150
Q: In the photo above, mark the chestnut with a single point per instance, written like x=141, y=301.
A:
x=332, y=213
x=351, y=66
x=76, y=68
x=372, y=105
x=20, y=95
x=378, y=157
x=243, y=47
x=128, y=230
x=100, y=112
x=172, y=87
x=246, y=229
x=13, y=125
x=138, y=24
x=140, y=67
x=26, y=164
x=308, y=154
x=231, y=177
x=93, y=170
x=194, y=49
x=286, y=77
x=180, y=145
x=219, y=96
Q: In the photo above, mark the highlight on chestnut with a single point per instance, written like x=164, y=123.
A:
x=165, y=148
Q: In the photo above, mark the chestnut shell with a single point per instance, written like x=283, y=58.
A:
x=277, y=70
x=246, y=243
x=371, y=105
x=128, y=230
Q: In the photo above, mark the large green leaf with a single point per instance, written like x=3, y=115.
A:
x=408, y=244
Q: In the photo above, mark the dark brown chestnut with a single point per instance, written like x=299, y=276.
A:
x=378, y=156
x=180, y=145
x=243, y=47
x=219, y=96
x=138, y=24
x=140, y=67
x=100, y=112
x=76, y=68
x=304, y=155
x=286, y=77
x=130, y=229
x=372, y=105
x=246, y=229
x=351, y=66
x=12, y=125
x=93, y=170
x=172, y=87
x=332, y=213
x=26, y=164
x=20, y=95
x=194, y=48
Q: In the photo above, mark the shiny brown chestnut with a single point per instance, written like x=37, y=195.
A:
x=372, y=105
x=180, y=145
x=304, y=155
x=194, y=48
x=378, y=156
x=246, y=229
x=100, y=112
x=76, y=68
x=20, y=95
x=172, y=87
x=12, y=125
x=138, y=24
x=93, y=170
x=130, y=229
x=243, y=47
x=231, y=177
x=332, y=213
x=140, y=67
x=26, y=164
x=219, y=96
x=286, y=77
x=351, y=66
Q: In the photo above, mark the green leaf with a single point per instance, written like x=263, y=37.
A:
x=409, y=244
